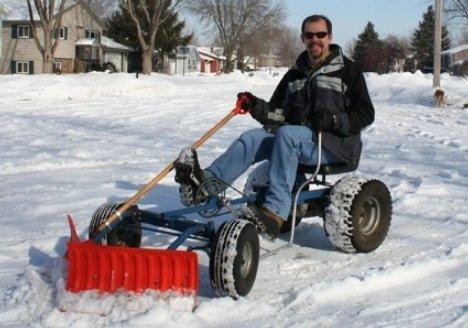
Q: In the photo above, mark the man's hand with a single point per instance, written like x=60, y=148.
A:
x=249, y=100
x=323, y=121
x=253, y=105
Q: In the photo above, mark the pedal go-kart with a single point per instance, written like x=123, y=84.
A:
x=356, y=214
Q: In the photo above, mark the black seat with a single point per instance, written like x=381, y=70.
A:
x=335, y=168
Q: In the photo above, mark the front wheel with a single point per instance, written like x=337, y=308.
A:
x=126, y=233
x=234, y=258
x=359, y=214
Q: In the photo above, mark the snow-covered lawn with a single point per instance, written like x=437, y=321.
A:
x=71, y=143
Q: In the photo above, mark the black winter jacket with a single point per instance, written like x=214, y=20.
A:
x=338, y=87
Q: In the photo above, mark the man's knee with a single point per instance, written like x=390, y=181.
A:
x=294, y=134
x=289, y=132
x=252, y=136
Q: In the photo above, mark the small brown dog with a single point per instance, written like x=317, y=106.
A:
x=439, y=97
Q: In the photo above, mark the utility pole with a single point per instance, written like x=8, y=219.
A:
x=437, y=43
x=269, y=48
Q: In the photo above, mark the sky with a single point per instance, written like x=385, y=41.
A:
x=349, y=17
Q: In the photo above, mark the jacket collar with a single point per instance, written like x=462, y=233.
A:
x=334, y=62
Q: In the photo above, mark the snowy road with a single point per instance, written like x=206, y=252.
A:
x=86, y=139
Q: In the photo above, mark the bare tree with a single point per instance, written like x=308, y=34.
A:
x=148, y=15
x=235, y=21
x=101, y=8
x=349, y=47
x=256, y=45
x=288, y=45
x=50, y=14
x=397, y=49
x=456, y=9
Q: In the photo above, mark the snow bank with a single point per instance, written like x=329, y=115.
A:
x=98, y=84
x=415, y=88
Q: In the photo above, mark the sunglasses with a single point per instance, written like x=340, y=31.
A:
x=310, y=35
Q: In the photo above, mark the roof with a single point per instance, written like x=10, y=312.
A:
x=205, y=53
x=86, y=42
x=111, y=44
x=14, y=10
x=204, y=57
x=17, y=10
x=456, y=49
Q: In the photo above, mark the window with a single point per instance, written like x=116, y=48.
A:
x=63, y=33
x=91, y=34
x=23, y=31
x=22, y=67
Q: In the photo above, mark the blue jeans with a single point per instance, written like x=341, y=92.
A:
x=289, y=146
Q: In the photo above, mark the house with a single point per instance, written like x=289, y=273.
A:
x=455, y=60
x=81, y=48
x=209, y=61
x=253, y=63
x=185, y=59
x=219, y=51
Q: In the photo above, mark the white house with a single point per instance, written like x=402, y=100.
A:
x=186, y=59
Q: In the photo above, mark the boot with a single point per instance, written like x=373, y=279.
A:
x=269, y=222
x=190, y=176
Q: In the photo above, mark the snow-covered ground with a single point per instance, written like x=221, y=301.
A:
x=70, y=143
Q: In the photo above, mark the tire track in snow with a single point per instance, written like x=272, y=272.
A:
x=385, y=279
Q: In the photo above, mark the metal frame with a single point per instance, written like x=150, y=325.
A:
x=176, y=223
x=296, y=201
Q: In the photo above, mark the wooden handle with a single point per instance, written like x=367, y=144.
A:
x=133, y=200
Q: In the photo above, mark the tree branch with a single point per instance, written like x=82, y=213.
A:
x=57, y=25
x=33, y=27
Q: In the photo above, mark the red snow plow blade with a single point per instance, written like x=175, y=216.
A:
x=110, y=268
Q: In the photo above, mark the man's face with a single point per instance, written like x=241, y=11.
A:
x=317, y=47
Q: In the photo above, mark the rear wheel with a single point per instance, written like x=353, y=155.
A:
x=126, y=233
x=234, y=258
x=359, y=214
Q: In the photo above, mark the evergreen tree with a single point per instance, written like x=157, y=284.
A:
x=422, y=42
x=369, y=52
x=122, y=29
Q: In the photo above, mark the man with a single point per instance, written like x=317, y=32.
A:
x=323, y=91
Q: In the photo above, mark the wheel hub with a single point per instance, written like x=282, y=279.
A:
x=369, y=217
x=246, y=260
